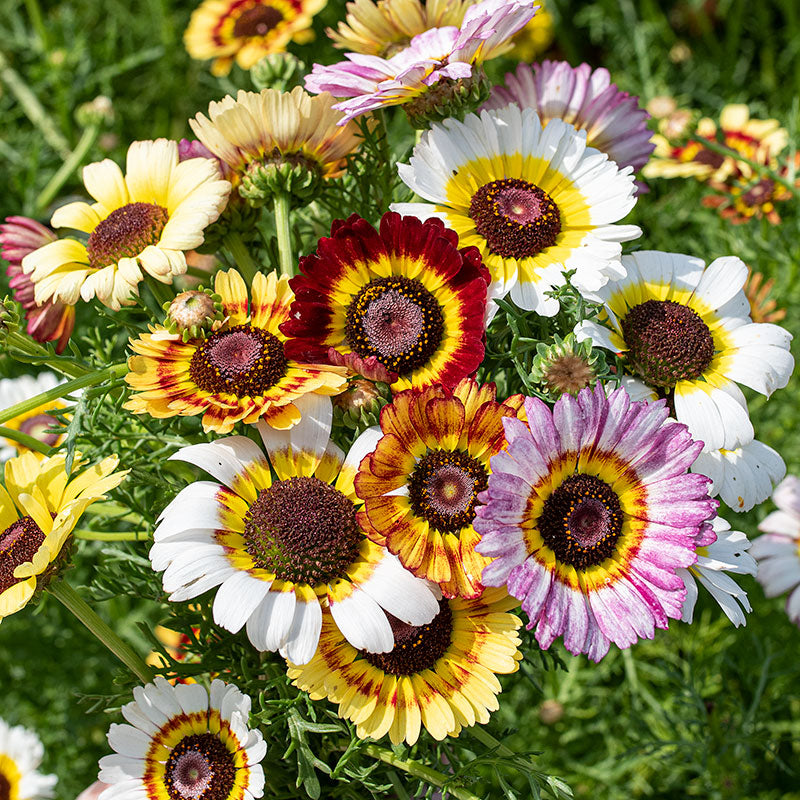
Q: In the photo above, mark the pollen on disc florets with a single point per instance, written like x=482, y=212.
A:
x=200, y=767
x=19, y=543
x=192, y=313
x=303, y=530
x=667, y=342
x=125, y=233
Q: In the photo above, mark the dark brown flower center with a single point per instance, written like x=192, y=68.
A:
x=516, y=218
x=19, y=543
x=568, y=373
x=581, y=521
x=37, y=426
x=125, y=232
x=200, y=767
x=667, y=342
x=416, y=648
x=5, y=787
x=398, y=321
x=257, y=21
x=303, y=530
x=444, y=488
x=244, y=361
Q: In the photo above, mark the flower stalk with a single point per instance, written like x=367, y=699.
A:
x=242, y=259
x=30, y=442
x=281, y=205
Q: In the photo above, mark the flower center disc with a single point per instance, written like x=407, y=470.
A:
x=5, y=787
x=581, y=521
x=517, y=218
x=398, y=321
x=125, y=232
x=200, y=766
x=37, y=425
x=444, y=488
x=257, y=21
x=19, y=543
x=303, y=530
x=244, y=361
x=416, y=648
x=667, y=342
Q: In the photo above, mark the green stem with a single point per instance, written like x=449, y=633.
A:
x=66, y=170
x=241, y=255
x=202, y=274
x=484, y=737
x=28, y=441
x=116, y=511
x=35, y=13
x=62, y=390
x=121, y=536
x=65, y=594
x=418, y=770
x=33, y=109
x=280, y=202
x=28, y=347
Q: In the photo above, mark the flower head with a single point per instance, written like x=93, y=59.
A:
x=587, y=100
x=142, y=222
x=39, y=508
x=589, y=514
x=272, y=139
x=567, y=365
x=184, y=743
x=247, y=30
x=280, y=547
x=21, y=754
x=535, y=201
x=36, y=422
x=405, y=294
x=239, y=373
x=421, y=483
x=442, y=61
x=440, y=676
x=683, y=329
x=48, y=322
x=778, y=550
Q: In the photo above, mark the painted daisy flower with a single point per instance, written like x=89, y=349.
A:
x=683, y=329
x=247, y=30
x=39, y=507
x=440, y=676
x=778, y=550
x=21, y=753
x=239, y=373
x=184, y=743
x=281, y=547
x=589, y=514
x=587, y=100
x=423, y=74
x=143, y=221
x=36, y=421
x=405, y=294
x=261, y=133
x=49, y=321
x=384, y=28
x=720, y=551
x=421, y=483
x=536, y=202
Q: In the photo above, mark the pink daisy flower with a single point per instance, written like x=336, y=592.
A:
x=613, y=120
x=590, y=514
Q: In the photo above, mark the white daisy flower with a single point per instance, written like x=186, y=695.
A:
x=184, y=742
x=535, y=201
x=685, y=330
x=21, y=753
x=280, y=546
x=35, y=422
x=778, y=551
x=716, y=557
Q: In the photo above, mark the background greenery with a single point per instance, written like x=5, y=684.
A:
x=702, y=711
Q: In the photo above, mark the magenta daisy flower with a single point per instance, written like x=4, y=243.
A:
x=586, y=99
x=590, y=514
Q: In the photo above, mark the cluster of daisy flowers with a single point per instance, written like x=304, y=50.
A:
x=379, y=489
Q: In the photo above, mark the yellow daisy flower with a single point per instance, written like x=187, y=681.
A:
x=239, y=373
x=247, y=30
x=441, y=675
x=143, y=221
x=39, y=507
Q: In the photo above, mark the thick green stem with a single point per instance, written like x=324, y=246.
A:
x=40, y=355
x=66, y=170
x=65, y=594
x=241, y=255
x=62, y=390
x=27, y=441
x=418, y=770
x=101, y=536
x=484, y=737
x=35, y=13
x=281, y=204
x=115, y=511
